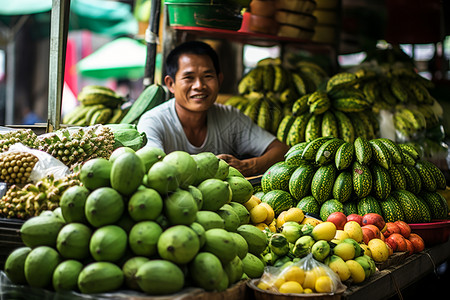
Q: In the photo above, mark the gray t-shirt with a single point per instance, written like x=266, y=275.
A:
x=229, y=132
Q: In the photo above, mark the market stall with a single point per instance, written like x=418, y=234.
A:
x=358, y=207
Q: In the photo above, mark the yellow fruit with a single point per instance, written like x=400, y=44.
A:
x=294, y=214
x=294, y=273
x=324, y=284
x=311, y=276
x=310, y=280
x=379, y=250
x=341, y=235
x=339, y=267
x=345, y=251
x=263, y=285
x=311, y=221
x=366, y=249
x=273, y=226
x=270, y=213
x=258, y=200
x=279, y=282
x=354, y=231
x=280, y=219
x=261, y=226
x=324, y=231
x=258, y=214
x=357, y=271
x=291, y=287
x=250, y=204
x=307, y=291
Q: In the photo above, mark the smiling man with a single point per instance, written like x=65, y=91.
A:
x=193, y=122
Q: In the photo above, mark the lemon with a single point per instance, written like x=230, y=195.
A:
x=279, y=282
x=341, y=235
x=258, y=200
x=273, y=226
x=261, y=226
x=310, y=279
x=270, y=213
x=258, y=214
x=324, y=284
x=280, y=219
x=263, y=286
x=357, y=271
x=250, y=204
x=308, y=291
x=324, y=231
x=294, y=214
x=291, y=287
x=311, y=221
x=294, y=273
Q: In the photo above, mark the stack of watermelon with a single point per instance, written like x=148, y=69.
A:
x=380, y=176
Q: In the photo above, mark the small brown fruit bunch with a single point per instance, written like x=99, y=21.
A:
x=16, y=166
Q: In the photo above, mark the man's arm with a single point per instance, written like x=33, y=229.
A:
x=258, y=165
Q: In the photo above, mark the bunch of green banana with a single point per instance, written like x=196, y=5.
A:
x=409, y=121
x=98, y=105
x=307, y=77
x=74, y=146
x=396, y=86
x=266, y=78
x=268, y=91
x=25, y=136
x=307, y=126
x=264, y=109
x=32, y=199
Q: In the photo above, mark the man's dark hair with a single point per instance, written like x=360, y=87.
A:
x=190, y=47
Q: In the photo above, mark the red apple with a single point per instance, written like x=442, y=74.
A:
x=405, y=230
x=409, y=247
x=368, y=234
x=376, y=232
x=373, y=219
x=417, y=242
x=399, y=240
x=392, y=243
x=355, y=217
x=337, y=218
x=391, y=228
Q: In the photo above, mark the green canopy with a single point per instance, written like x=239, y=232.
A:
x=122, y=58
x=100, y=16
x=24, y=7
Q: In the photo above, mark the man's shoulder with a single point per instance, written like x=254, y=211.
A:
x=161, y=109
x=219, y=108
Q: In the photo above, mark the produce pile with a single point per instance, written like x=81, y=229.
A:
x=146, y=221
x=268, y=91
x=76, y=145
x=367, y=176
x=341, y=110
x=24, y=202
x=389, y=100
x=405, y=95
x=308, y=258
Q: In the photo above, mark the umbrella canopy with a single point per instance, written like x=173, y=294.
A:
x=24, y=7
x=122, y=58
x=103, y=17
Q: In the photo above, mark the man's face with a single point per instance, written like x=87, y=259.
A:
x=196, y=83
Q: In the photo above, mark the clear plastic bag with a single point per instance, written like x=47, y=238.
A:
x=312, y=275
x=46, y=165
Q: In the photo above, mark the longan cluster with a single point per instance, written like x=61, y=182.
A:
x=16, y=166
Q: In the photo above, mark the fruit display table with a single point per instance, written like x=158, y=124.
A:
x=388, y=282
